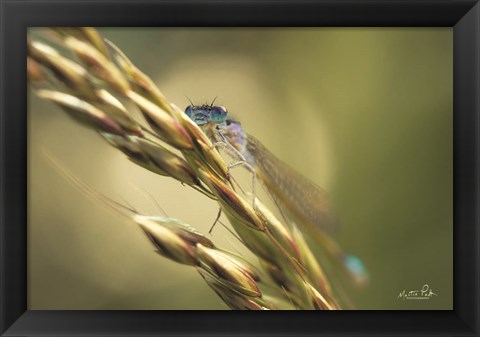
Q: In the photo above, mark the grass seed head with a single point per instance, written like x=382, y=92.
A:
x=169, y=162
x=310, y=263
x=145, y=87
x=117, y=111
x=232, y=298
x=134, y=152
x=92, y=36
x=164, y=125
x=318, y=300
x=34, y=71
x=72, y=74
x=82, y=111
x=98, y=64
x=279, y=231
x=86, y=34
x=168, y=243
x=232, y=203
x=227, y=268
x=186, y=232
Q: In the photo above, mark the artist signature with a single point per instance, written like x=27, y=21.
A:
x=421, y=294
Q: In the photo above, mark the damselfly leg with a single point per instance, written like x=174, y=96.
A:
x=233, y=152
x=241, y=161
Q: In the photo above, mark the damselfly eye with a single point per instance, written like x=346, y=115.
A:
x=218, y=114
x=189, y=111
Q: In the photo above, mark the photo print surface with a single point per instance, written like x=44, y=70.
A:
x=240, y=168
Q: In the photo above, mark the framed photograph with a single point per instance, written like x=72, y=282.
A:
x=165, y=163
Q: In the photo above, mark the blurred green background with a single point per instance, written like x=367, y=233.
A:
x=366, y=113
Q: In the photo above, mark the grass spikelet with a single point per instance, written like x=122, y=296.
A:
x=165, y=126
x=73, y=75
x=98, y=64
x=232, y=203
x=34, y=72
x=82, y=111
x=167, y=242
x=117, y=111
x=228, y=269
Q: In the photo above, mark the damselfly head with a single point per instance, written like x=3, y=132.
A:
x=204, y=114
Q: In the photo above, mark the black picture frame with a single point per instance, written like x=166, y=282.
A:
x=17, y=15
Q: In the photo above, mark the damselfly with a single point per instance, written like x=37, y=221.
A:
x=298, y=199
